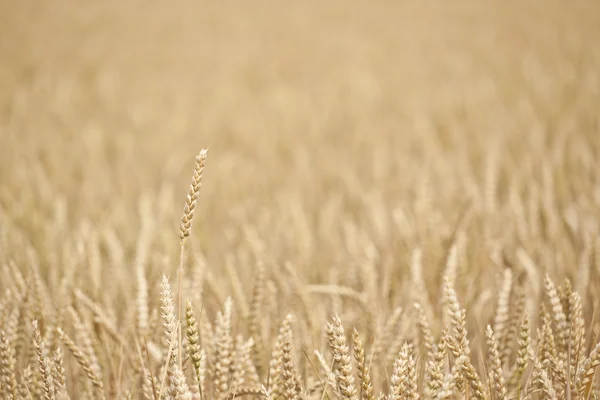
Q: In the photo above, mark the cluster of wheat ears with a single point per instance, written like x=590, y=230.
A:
x=63, y=342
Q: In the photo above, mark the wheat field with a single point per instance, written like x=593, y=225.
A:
x=299, y=200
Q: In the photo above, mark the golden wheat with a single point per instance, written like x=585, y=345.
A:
x=402, y=200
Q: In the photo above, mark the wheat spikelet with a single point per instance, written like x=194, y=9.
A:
x=447, y=391
x=548, y=348
x=560, y=318
x=180, y=389
x=434, y=372
x=419, y=285
x=517, y=310
x=502, y=316
x=452, y=257
x=468, y=370
x=577, y=331
x=291, y=386
x=265, y=393
x=412, y=392
x=26, y=384
x=224, y=351
x=541, y=378
x=341, y=356
x=203, y=373
x=8, y=380
x=255, y=315
x=557, y=372
x=587, y=373
x=275, y=384
x=239, y=356
x=245, y=374
x=403, y=382
x=496, y=373
x=209, y=349
x=84, y=337
x=192, y=196
x=150, y=387
x=362, y=368
x=423, y=322
x=10, y=324
x=168, y=314
x=524, y=343
x=193, y=347
x=58, y=370
x=44, y=364
x=101, y=316
x=398, y=380
x=458, y=318
x=83, y=361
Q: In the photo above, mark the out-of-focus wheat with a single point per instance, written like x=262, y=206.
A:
x=416, y=183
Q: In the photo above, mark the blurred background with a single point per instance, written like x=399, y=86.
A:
x=386, y=114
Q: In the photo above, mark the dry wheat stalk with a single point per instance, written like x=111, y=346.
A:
x=185, y=229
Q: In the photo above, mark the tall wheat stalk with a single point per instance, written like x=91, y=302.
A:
x=185, y=230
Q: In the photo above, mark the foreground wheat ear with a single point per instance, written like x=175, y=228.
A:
x=186, y=227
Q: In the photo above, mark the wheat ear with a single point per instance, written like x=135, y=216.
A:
x=342, y=359
x=496, y=374
x=83, y=361
x=193, y=348
x=362, y=368
x=8, y=362
x=44, y=365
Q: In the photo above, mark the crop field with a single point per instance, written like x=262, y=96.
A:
x=300, y=200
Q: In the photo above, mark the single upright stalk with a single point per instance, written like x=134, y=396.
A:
x=185, y=230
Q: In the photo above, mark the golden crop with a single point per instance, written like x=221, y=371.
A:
x=400, y=200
